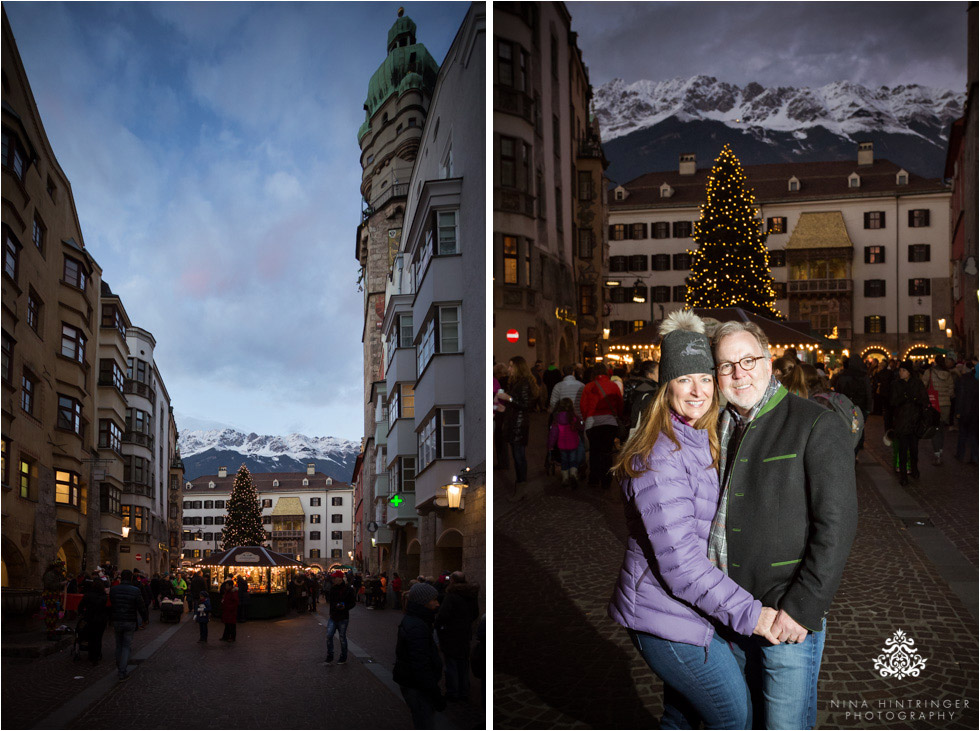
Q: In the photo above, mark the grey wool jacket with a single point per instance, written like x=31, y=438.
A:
x=792, y=507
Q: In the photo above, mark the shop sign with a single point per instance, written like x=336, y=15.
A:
x=513, y=336
x=123, y=549
x=247, y=557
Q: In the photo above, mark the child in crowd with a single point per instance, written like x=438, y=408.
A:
x=202, y=615
x=566, y=435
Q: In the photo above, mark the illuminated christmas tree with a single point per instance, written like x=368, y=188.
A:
x=730, y=267
x=243, y=524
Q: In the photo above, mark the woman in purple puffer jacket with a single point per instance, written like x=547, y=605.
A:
x=669, y=596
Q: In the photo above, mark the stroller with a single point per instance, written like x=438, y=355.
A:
x=80, y=644
x=171, y=610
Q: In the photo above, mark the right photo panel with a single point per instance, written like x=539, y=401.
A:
x=734, y=352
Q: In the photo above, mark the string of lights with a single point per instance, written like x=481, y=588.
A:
x=243, y=524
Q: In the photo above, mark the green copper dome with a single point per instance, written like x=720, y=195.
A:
x=408, y=65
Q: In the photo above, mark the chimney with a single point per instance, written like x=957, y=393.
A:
x=866, y=153
x=310, y=468
x=222, y=472
x=688, y=164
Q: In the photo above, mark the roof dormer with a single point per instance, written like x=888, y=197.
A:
x=902, y=177
x=188, y=485
x=794, y=185
x=853, y=180
x=211, y=484
x=329, y=480
x=620, y=193
x=306, y=482
x=666, y=191
x=275, y=483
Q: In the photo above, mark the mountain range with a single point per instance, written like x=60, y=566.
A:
x=203, y=451
x=646, y=125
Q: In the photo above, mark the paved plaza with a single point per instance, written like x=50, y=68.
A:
x=272, y=677
x=560, y=662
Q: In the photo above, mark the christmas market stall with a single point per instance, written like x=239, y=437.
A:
x=268, y=575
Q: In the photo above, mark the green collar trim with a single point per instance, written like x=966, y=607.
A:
x=780, y=394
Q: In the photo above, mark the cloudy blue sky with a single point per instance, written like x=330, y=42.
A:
x=212, y=152
x=776, y=43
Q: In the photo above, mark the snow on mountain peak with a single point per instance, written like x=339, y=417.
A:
x=297, y=446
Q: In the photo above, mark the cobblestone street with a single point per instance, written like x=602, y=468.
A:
x=272, y=677
x=559, y=661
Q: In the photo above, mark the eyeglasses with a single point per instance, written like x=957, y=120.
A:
x=747, y=364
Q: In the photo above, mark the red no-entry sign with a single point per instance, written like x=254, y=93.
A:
x=139, y=556
x=513, y=336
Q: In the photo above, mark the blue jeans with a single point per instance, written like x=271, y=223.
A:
x=572, y=457
x=520, y=460
x=700, y=685
x=782, y=679
x=334, y=625
x=124, y=644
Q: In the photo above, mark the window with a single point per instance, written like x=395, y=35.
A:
x=315, y=517
x=138, y=370
x=780, y=288
x=187, y=504
x=682, y=229
x=208, y=504
x=660, y=294
x=11, y=254
x=661, y=230
x=314, y=502
x=335, y=501
x=512, y=65
x=74, y=273
x=919, y=218
x=427, y=442
x=874, y=254
x=617, y=232
x=619, y=264
x=8, y=358
x=440, y=334
x=919, y=323
x=554, y=57
x=854, y=181
x=680, y=293
x=586, y=243
x=919, y=287
x=776, y=225
x=314, y=535
x=902, y=179
x=515, y=169
x=777, y=258
x=794, y=185
x=405, y=333
x=110, y=499
x=110, y=435
x=137, y=470
x=874, y=287
x=219, y=520
x=638, y=263
x=446, y=232
x=638, y=231
x=510, y=259
x=28, y=391
x=66, y=488
x=586, y=299
x=208, y=520
x=219, y=503
x=556, y=135
x=682, y=262
x=27, y=478
x=585, y=191
x=559, y=216
x=335, y=553
x=110, y=374
x=638, y=325
x=72, y=343
x=138, y=421
x=69, y=414
x=660, y=262
x=267, y=503
x=134, y=517
x=874, y=324
x=14, y=156
x=336, y=535
x=919, y=252
x=874, y=219
x=336, y=518
x=3, y=459
x=34, y=305
x=112, y=317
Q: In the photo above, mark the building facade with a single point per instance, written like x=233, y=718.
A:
x=859, y=249
x=432, y=422
x=548, y=197
x=306, y=515
x=395, y=112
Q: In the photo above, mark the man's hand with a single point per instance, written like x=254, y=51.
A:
x=788, y=630
x=764, y=626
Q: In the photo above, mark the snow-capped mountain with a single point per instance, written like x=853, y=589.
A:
x=793, y=123
x=204, y=451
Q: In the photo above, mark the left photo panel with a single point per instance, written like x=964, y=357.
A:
x=244, y=363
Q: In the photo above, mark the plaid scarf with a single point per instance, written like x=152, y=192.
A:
x=731, y=427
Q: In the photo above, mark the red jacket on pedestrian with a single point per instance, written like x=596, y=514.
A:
x=602, y=397
x=229, y=607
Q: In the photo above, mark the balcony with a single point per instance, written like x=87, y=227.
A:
x=140, y=389
x=590, y=149
x=286, y=534
x=383, y=536
x=819, y=286
x=399, y=190
x=135, y=488
x=140, y=537
x=404, y=513
x=511, y=200
x=512, y=101
x=135, y=437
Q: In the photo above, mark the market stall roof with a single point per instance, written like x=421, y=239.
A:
x=248, y=556
x=643, y=339
x=779, y=333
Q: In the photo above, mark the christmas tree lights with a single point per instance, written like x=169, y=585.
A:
x=243, y=524
x=730, y=267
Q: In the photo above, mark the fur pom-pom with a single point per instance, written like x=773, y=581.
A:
x=681, y=320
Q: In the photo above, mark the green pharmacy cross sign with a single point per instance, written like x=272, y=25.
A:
x=396, y=500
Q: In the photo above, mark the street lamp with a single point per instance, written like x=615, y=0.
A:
x=942, y=323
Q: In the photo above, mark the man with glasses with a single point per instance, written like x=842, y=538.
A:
x=785, y=521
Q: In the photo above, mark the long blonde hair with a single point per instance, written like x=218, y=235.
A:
x=656, y=422
x=522, y=372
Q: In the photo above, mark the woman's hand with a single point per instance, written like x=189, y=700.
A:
x=764, y=626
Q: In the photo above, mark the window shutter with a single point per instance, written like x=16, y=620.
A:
x=611, y=228
x=925, y=217
x=881, y=216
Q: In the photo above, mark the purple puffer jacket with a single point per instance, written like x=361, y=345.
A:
x=667, y=586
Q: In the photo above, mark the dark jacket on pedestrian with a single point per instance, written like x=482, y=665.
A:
x=854, y=383
x=202, y=614
x=229, y=607
x=516, y=427
x=342, y=599
x=908, y=399
x=127, y=603
x=638, y=392
x=454, y=621
x=94, y=606
x=966, y=400
x=198, y=585
x=417, y=662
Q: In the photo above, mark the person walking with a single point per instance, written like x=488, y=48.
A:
x=94, y=608
x=669, y=595
x=417, y=665
x=180, y=587
x=568, y=387
x=602, y=407
x=522, y=393
x=197, y=585
x=454, y=627
x=966, y=414
x=639, y=391
x=908, y=400
x=341, y=598
x=566, y=436
x=854, y=383
x=229, y=611
x=127, y=608
x=939, y=383
x=242, y=585
x=202, y=615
